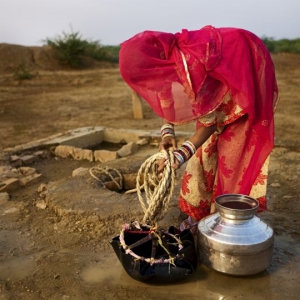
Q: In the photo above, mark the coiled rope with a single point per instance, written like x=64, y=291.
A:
x=158, y=188
x=106, y=170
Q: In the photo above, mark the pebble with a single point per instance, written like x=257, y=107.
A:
x=275, y=184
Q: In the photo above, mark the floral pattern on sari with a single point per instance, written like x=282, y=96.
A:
x=200, y=180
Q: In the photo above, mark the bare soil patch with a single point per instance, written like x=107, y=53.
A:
x=47, y=255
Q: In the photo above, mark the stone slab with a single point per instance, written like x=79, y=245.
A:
x=30, y=179
x=113, y=135
x=81, y=137
x=9, y=185
x=88, y=137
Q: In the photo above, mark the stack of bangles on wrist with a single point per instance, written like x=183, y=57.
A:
x=185, y=152
x=167, y=130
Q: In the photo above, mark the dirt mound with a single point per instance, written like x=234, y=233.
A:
x=17, y=58
x=13, y=57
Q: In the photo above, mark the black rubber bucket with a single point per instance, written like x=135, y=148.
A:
x=183, y=259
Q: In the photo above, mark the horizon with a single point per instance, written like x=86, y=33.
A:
x=117, y=45
x=29, y=23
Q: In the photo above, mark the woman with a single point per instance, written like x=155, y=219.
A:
x=224, y=80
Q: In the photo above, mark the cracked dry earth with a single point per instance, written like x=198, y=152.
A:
x=62, y=251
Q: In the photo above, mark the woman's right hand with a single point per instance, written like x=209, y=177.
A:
x=161, y=164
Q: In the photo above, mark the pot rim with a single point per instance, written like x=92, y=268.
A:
x=236, y=213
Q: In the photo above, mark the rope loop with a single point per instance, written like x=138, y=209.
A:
x=158, y=188
x=106, y=170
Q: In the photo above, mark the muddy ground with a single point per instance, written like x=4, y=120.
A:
x=62, y=251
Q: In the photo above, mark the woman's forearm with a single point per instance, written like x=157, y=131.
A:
x=202, y=134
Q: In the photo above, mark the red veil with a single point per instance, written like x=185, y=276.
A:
x=185, y=75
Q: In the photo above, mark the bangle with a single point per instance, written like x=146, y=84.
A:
x=167, y=130
x=179, y=157
x=185, y=152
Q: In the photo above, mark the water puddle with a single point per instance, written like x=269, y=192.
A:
x=113, y=273
x=108, y=270
x=205, y=283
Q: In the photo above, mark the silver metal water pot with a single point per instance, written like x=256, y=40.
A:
x=234, y=240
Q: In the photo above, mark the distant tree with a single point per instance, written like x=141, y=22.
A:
x=282, y=45
x=269, y=42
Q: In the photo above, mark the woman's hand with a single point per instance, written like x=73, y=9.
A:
x=198, y=138
x=161, y=164
x=168, y=142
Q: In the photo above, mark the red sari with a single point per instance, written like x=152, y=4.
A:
x=187, y=76
x=200, y=179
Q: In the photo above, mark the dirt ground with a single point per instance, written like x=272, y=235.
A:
x=45, y=254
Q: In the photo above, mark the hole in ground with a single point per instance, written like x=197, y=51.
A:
x=107, y=146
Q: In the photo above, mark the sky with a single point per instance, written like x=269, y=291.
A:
x=110, y=22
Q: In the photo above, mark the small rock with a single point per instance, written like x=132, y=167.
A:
x=275, y=184
x=10, y=185
x=30, y=179
x=28, y=159
x=105, y=155
x=25, y=171
x=42, y=154
x=64, y=151
x=13, y=158
x=128, y=149
x=42, y=188
x=38, y=153
x=80, y=172
x=41, y=204
x=11, y=210
x=80, y=154
x=143, y=142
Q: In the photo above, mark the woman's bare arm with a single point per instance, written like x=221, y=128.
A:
x=198, y=139
x=202, y=134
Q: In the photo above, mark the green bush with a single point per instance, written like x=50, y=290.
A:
x=70, y=49
x=111, y=53
x=282, y=45
x=23, y=73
